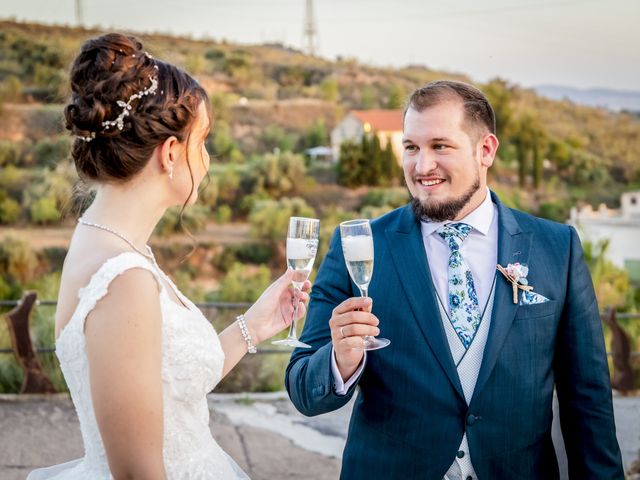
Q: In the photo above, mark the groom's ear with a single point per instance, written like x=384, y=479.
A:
x=168, y=153
x=489, y=146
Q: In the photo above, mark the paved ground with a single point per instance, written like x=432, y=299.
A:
x=262, y=432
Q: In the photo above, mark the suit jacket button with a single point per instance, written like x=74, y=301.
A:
x=471, y=419
x=460, y=454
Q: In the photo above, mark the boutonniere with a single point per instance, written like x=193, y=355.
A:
x=516, y=273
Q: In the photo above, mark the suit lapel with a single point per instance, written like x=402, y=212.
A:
x=408, y=254
x=513, y=246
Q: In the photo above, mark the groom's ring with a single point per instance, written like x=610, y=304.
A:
x=342, y=332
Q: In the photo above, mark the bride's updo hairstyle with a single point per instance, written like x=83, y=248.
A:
x=108, y=72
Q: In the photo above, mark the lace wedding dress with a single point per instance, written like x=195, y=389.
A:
x=192, y=362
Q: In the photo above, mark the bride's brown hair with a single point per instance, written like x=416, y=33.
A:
x=112, y=68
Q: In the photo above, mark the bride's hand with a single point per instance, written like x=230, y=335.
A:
x=272, y=312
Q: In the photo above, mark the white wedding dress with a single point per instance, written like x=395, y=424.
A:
x=192, y=362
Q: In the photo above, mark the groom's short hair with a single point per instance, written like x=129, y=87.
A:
x=478, y=113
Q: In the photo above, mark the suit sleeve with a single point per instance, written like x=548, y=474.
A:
x=308, y=378
x=582, y=378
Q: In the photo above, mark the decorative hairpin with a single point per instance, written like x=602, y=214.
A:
x=88, y=138
x=126, y=106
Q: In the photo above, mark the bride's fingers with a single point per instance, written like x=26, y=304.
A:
x=302, y=311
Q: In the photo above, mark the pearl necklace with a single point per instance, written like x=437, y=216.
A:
x=148, y=254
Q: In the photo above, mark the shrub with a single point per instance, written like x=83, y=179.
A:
x=194, y=218
x=18, y=262
x=9, y=209
x=269, y=219
x=256, y=253
x=223, y=214
x=379, y=197
x=44, y=210
x=244, y=283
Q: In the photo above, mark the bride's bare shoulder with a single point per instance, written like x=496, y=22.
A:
x=83, y=260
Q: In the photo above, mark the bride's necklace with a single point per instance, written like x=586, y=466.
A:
x=147, y=254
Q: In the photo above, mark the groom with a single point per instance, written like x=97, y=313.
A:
x=465, y=389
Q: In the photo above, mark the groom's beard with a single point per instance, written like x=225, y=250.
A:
x=432, y=211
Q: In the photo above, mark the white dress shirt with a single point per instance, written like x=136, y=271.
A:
x=479, y=250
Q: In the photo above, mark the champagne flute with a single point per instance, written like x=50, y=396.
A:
x=357, y=246
x=302, y=245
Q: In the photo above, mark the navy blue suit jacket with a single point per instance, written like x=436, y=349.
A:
x=411, y=413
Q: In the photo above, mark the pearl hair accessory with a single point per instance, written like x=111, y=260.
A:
x=126, y=106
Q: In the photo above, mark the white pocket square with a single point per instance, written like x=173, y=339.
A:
x=532, y=298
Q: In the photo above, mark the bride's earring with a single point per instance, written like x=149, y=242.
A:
x=170, y=173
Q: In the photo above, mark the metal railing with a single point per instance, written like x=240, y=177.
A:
x=36, y=380
x=204, y=306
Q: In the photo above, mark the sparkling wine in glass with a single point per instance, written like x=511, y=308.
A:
x=302, y=245
x=357, y=247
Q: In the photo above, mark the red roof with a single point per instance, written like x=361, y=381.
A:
x=380, y=120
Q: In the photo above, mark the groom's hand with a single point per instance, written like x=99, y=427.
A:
x=351, y=320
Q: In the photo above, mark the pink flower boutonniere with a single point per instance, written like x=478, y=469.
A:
x=516, y=273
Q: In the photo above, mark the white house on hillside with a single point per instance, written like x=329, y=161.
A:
x=620, y=226
x=386, y=124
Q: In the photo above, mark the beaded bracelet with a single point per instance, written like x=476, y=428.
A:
x=242, y=323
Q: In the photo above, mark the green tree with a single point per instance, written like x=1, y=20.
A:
x=530, y=140
x=499, y=95
x=392, y=170
x=396, y=96
x=349, y=164
x=316, y=135
x=374, y=169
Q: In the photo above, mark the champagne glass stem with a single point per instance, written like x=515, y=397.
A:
x=364, y=292
x=296, y=302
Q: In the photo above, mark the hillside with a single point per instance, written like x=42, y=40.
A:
x=268, y=96
x=616, y=100
x=269, y=105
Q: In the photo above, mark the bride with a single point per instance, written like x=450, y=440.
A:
x=139, y=357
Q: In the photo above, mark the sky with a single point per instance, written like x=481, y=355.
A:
x=576, y=43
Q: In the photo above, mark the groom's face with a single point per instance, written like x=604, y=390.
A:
x=444, y=161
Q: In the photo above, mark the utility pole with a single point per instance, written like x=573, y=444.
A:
x=310, y=30
x=79, y=20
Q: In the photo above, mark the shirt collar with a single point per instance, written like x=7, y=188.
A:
x=480, y=218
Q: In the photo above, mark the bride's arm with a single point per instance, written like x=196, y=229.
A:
x=123, y=336
x=271, y=313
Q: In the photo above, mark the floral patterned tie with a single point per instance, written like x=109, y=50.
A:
x=464, y=311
